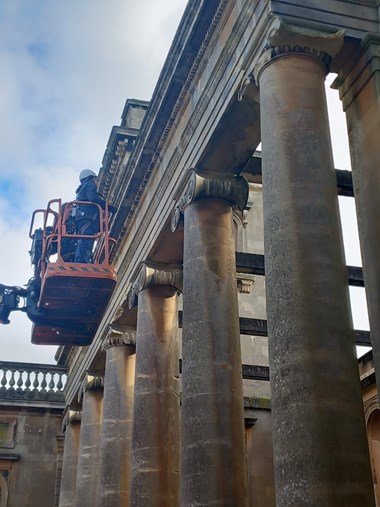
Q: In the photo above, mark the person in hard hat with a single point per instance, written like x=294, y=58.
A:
x=87, y=218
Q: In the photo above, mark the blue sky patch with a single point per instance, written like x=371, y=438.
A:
x=12, y=195
x=40, y=52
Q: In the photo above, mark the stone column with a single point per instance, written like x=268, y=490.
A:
x=115, y=446
x=360, y=93
x=320, y=445
x=213, y=448
x=156, y=443
x=87, y=474
x=71, y=429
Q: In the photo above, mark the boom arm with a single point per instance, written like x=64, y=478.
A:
x=10, y=300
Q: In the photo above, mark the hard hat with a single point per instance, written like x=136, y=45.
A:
x=85, y=174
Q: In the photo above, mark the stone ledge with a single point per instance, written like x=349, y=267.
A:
x=258, y=403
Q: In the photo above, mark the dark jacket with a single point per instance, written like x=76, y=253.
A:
x=87, y=191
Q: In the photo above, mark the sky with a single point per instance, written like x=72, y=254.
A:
x=67, y=68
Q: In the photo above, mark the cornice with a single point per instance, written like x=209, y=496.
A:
x=168, y=179
x=198, y=23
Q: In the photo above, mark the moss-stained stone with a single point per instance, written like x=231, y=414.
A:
x=257, y=402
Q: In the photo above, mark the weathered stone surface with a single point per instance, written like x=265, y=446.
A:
x=156, y=443
x=88, y=461
x=309, y=323
x=116, y=433
x=70, y=460
x=213, y=455
x=260, y=460
x=30, y=466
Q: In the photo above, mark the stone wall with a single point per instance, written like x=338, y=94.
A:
x=28, y=457
x=260, y=461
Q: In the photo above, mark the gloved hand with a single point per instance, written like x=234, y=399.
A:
x=112, y=209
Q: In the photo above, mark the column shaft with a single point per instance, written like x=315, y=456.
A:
x=362, y=106
x=213, y=449
x=69, y=465
x=87, y=475
x=155, y=444
x=320, y=447
x=115, y=447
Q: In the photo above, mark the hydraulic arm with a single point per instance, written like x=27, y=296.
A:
x=10, y=300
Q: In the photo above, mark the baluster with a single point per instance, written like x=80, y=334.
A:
x=43, y=383
x=20, y=381
x=12, y=379
x=27, y=381
x=36, y=382
x=59, y=383
x=52, y=382
x=4, y=379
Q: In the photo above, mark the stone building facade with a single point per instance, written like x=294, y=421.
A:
x=170, y=405
x=31, y=444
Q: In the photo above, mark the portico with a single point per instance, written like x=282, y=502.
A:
x=192, y=207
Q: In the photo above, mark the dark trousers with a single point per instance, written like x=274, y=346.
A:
x=83, y=252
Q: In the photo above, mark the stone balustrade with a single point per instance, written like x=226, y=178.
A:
x=32, y=382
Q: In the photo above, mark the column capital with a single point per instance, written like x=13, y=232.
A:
x=89, y=382
x=70, y=417
x=119, y=335
x=245, y=282
x=283, y=39
x=153, y=274
x=196, y=186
